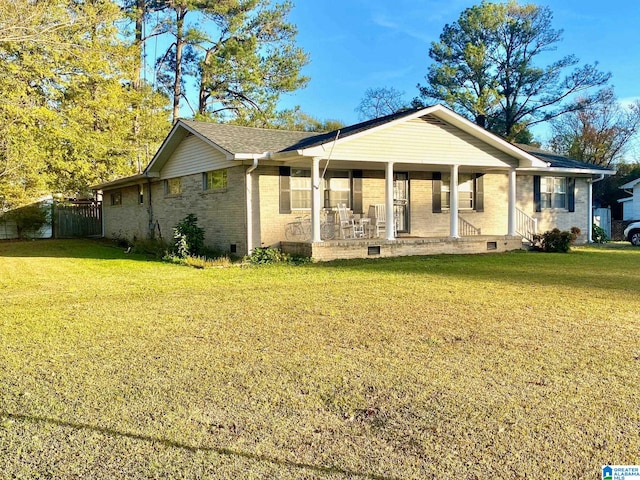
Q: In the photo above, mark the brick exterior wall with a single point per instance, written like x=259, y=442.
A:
x=551, y=218
x=342, y=250
x=222, y=214
x=130, y=219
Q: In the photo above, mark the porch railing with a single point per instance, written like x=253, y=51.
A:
x=526, y=226
x=466, y=229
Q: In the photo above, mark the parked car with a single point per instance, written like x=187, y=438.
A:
x=632, y=233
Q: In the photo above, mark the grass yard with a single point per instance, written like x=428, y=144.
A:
x=519, y=365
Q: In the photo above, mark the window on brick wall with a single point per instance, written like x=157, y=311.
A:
x=215, y=180
x=116, y=198
x=173, y=186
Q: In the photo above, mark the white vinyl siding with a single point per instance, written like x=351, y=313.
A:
x=192, y=156
x=422, y=142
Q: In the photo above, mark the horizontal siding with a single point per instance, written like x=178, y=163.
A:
x=194, y=156
x=418, y=141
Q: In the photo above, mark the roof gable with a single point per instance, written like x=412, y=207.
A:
x=630, y=184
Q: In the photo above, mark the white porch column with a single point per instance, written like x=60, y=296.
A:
x=388, y=202
x=315, y=200
x=453, y=201
x=590, y=211
x=512, y=202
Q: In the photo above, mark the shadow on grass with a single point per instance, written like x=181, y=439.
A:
x=193, y=449
x=614, y=268
x=99, y=249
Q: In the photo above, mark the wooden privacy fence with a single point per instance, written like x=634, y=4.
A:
x=77, y=220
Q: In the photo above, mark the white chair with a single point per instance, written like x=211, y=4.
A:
x=378, y=217
x=349, y=226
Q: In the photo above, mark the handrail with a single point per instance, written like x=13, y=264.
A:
x=466, y=229
x=526, y=226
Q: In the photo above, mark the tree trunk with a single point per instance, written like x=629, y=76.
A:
x=180, y=42
x=140, y=11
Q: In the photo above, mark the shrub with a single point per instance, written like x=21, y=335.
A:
x=556, y=240
x=189, y=238
x=599, y=235
x=265, y=255
x=29, y=219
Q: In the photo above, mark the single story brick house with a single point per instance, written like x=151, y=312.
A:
x=452, y=186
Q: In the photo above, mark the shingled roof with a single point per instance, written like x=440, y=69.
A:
x=236, y=139
x=558, y=161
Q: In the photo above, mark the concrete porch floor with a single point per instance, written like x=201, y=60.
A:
x=401, y=246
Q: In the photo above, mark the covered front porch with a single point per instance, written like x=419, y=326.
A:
x=402, y=246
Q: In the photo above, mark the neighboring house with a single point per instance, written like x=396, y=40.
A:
x=631, y=205
x=453, y=187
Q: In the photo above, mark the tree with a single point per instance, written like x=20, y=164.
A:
x=381, y=101
x=485, y=67
x=241, y=56
x=598, y=134
x=69, y=116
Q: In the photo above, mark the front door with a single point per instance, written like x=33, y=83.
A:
x=401, y=201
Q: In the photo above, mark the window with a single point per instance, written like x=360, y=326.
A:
x=300, y=188
x=173, y=186
x=215, y=180
x=553, y=192
x=465, y=191
x=140, y=194
x=116, y=198
x=337, y=188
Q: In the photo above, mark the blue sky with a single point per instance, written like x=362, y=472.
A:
x=357, y=44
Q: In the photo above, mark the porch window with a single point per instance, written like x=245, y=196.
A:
x=553, y=192
x=466, y=195
x=215, y=180
x=337, y=188
x=173, y=186
x=300, y=189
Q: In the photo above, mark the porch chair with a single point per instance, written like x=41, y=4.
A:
x=378, y=218
x=349, y=226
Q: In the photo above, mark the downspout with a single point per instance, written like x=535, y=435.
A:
x=249, y=195
x=591, y=181
x=150, y=211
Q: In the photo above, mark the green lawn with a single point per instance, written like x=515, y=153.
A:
x=519, y=365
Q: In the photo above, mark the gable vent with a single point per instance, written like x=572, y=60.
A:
x=433, y=120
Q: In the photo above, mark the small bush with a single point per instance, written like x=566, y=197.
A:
x=266, y=255
x=556, y=240
x=199, y=261
x=189, y=238
x=599, y=235
x=28, y=219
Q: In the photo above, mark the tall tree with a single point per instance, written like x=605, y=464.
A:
x=69, y=117
x=380, y=101
x=241, y=56
x=485, y=66
x=598, y=134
